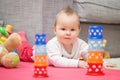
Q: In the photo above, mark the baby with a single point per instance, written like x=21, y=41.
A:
x=65, y=49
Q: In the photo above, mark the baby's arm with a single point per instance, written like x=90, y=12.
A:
x=84, y=54
x=82, y=64
x=56, y=59
x=59, y=61
x=108, y=65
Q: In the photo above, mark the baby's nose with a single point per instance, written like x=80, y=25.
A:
x=67, y=32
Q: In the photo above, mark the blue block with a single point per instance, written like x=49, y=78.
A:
x=95, y=32
x=40, y=39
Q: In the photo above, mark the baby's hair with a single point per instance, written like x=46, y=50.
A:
x=68, y=11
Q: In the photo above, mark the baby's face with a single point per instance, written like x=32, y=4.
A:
x=67, y=28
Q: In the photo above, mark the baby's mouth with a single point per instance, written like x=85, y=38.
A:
x=67, y=38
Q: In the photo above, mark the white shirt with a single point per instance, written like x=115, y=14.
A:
x=58, y=56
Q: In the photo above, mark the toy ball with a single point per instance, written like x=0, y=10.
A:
x=11, y=60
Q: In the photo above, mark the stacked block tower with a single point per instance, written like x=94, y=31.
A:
x=95, y=50
x=40, y=59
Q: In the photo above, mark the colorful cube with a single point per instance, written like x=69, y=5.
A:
x=95, y=69
x=40, y=72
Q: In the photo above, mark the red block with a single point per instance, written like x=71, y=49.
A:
x=40, y=72
x=95, y=69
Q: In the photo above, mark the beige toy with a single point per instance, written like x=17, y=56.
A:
x=106, y=53
x=8, y=58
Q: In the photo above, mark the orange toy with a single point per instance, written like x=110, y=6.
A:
x=95, y=57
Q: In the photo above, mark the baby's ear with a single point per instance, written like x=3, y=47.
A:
x=79, y=29
x=54, y=29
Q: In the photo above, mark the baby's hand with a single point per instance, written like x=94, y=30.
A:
x=108, y=65
x=82, y=64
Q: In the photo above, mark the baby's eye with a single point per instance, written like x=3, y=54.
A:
x=62, y=28
x=72, y=29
